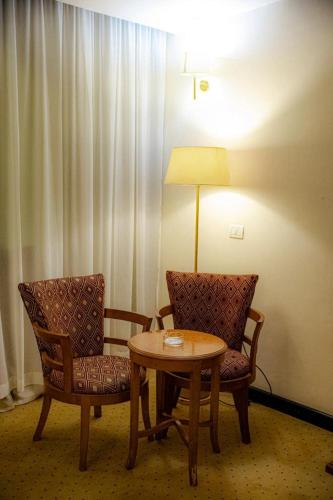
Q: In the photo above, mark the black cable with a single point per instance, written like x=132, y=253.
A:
x=269, y=385
x=261, y=371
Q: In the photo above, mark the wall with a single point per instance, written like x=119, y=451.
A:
x=271, y=105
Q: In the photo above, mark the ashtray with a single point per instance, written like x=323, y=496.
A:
x=173, y=338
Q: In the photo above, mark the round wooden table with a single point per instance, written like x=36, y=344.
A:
x=199, y=351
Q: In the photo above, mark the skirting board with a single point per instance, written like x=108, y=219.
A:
x=315, y=417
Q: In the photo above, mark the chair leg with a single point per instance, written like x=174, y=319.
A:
x=84, y=437
x=241, y=403
x=176, y=396
x=97, y=411
x=145, y=409
x=329, y=468
x=171, y=394
x=43, y=417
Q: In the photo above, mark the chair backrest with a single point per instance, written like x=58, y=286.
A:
x=72, y=305
x=212, y=303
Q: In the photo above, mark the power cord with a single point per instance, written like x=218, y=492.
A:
x=261, y=371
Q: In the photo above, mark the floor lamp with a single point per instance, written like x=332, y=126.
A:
x=198, y=166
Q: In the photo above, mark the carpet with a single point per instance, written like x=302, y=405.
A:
x=286, y=459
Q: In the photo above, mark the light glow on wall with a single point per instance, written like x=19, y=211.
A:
x=223, y=112
x=228, y=201
x=256, y=78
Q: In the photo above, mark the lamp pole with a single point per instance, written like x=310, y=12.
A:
x=197, y=208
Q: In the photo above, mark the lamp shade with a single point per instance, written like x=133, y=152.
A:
x=198, y=166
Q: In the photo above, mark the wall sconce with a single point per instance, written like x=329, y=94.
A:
x=196, y=65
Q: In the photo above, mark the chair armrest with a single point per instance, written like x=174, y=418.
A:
x=114, y=340
x=66, y=365
x=162, y=313
x=259, y=319
x=132, y=317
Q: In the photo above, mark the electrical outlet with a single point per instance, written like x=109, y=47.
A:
x=236, y=231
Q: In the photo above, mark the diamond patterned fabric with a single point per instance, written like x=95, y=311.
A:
x=98, y=375
x=212, y=303
x=235, y=365
x=72, y=305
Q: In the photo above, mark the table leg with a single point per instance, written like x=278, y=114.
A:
x=194, y=410
x=160, y=400
x=214, y=406
x=134, y=423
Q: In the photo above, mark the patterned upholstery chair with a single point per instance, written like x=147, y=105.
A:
x=220, y=305
x=67, y=315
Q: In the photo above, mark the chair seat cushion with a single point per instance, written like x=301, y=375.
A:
x=98, y=375
x=235, y=365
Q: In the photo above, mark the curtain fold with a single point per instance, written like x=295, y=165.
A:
x=82, y=110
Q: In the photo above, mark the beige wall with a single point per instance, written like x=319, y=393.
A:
x=271, y=105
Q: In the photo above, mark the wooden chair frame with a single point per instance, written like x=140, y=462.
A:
x=85, y=401
x=238, y=387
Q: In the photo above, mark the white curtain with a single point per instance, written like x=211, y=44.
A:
x=81, y=113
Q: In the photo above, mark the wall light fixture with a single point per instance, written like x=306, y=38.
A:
x=196, y=65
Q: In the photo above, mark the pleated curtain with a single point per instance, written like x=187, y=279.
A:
x=81, y=117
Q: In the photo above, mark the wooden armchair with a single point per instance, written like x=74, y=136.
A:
x=220, y=305
x=67, y=315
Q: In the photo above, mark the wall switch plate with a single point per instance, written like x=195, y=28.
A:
x=236, y=231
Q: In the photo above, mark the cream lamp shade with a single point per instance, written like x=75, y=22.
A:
x=198, y=166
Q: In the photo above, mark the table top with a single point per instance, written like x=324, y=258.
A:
x=196, y=346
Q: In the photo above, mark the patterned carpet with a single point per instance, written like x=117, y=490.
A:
x=285, y=460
